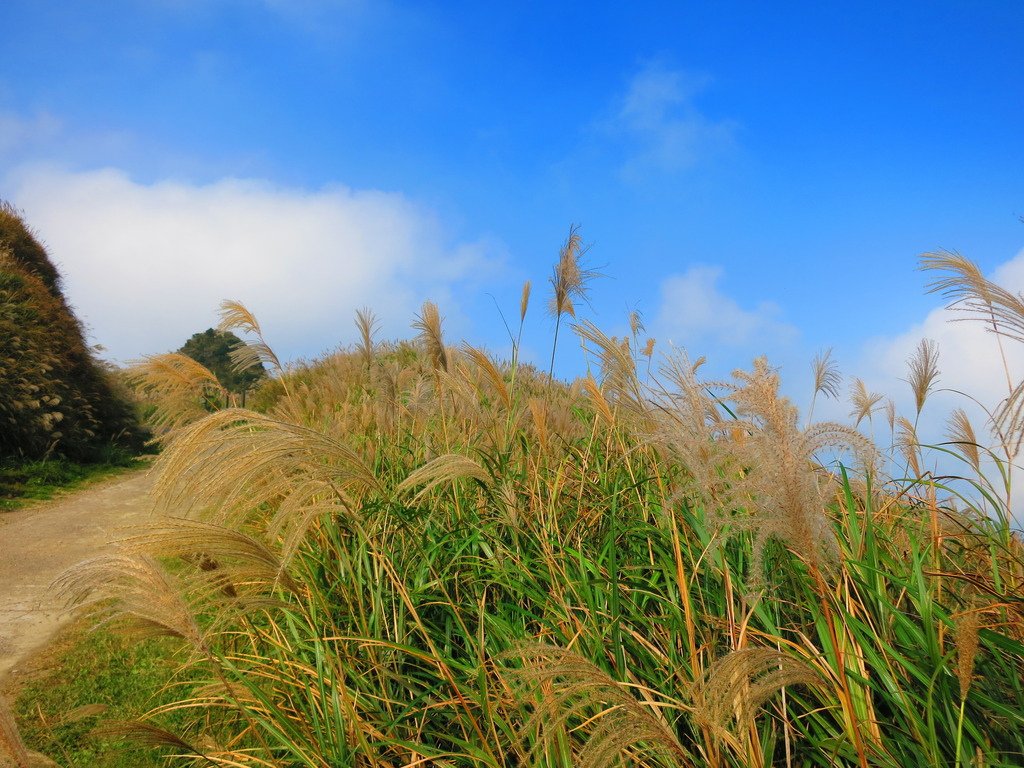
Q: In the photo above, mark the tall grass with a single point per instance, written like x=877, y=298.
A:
x=416, y=555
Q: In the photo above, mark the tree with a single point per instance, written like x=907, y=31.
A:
x=213, y=349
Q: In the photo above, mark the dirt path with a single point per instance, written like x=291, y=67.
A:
x=38, y=543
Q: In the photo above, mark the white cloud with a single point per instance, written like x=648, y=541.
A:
x=970, y=362
x=659, y=116
x=970, y=359
x=695, y=313
x=18, y=133
x=147, y=265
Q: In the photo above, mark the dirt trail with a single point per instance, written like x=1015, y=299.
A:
x=38, y=543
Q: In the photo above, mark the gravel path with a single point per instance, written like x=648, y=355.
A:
x=39, y=542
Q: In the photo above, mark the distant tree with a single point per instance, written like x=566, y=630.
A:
x=213, y=349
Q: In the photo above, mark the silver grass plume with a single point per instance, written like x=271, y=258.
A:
x=568, y=691
x=827, y=378
x=961, y=432
x=908, y=444
x=864, y=403
x=234, y=316
x=923, y=371
x=149, y=735
x=690, y=426
x=636, y=323
x=133, y=585
x=229, y=465
x=968, y=291
x=568, y=282
x=490, y=371
x=737, y=685
x=783, y=488
x=176, y=386
x=226, y=557
x=441, y=470
x=428, y=323
x=367, y=324
x=618, y=367
x=757, y=470
x=569, y=278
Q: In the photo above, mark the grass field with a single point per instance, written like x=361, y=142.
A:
x=414, y=554
x=88, y=676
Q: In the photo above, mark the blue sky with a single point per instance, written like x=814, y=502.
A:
x=753, y=178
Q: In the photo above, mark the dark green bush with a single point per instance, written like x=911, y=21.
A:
x=213, y=349
x=57, y=398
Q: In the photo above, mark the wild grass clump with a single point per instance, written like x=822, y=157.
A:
x=417, y=554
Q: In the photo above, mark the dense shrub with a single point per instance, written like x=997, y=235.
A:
x=57, y=398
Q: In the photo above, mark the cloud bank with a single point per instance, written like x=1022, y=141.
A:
x=972, y=376
x=970, y=359
x=146, y=266
x=695, y=313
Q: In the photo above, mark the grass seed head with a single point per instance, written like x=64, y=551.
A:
x=736, y=686
x=570, y=277
x=524, y=301
x=827, y=377
x=961, y=432
x=636, y=323
x=428, y=323
x=864, y=403
x=924, y=371
x=966, y=639
x=368, y=324
x=566, y=690
x=908, y=444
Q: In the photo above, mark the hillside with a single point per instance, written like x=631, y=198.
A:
x=58, y=398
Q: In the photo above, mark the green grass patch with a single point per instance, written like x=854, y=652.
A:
x=26, y=481
x=94, y=667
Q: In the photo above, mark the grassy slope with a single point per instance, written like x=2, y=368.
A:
x=83, y=668
x=428, y=558
x=27, y=481
x=490, y=557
